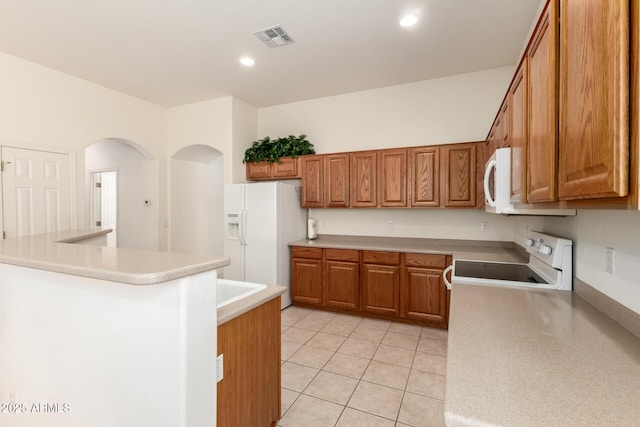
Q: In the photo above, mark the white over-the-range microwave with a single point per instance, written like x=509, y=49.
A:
x=497, y=189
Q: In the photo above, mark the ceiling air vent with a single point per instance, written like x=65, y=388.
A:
x=275, y=36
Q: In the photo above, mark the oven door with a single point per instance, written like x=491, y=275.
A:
x=504, y=274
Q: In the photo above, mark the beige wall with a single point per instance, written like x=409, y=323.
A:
x=44, y=109
x=592, y=232
x=450, y=109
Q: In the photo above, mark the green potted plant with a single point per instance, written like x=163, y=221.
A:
x=279, y=151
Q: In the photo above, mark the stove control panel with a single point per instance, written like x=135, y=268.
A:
x=549, y=249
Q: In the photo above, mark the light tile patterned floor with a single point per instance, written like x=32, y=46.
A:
x=350, y=371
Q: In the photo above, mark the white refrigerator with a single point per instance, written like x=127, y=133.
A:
x=260, y=220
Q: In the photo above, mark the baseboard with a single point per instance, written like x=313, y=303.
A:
x=626, y=317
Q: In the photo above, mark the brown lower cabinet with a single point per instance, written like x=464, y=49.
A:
x=389, y=285
x=249, y=392
x=341, y=278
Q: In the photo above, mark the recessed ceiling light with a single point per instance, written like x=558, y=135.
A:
x=409, y=21
x=245, y=60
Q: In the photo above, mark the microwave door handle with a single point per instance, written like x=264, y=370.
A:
x=444, y=276
x=487, y=173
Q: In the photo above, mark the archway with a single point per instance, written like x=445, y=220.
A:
x=136, y=191
x=197, y=200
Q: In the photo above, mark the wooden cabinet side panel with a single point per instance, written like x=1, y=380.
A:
x=519, y=135
x=249, y=393
x=336, y=182
x=424, y=177
x=306, y=281
x=364, y=169
x=594, y=99
x=543, y=110
x=312, y=192
x=460, y=180
x=392, y=173
x=341, y=283
x=381, y=289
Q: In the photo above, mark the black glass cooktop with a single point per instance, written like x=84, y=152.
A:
x=497, y=271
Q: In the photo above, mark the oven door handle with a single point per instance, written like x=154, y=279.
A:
x=444, y=276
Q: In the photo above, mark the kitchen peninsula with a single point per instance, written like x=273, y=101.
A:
x=102, y=336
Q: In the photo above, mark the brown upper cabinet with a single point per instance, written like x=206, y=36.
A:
x=418, y=177
x=392, y=176
x=336, y=180
x=572, y=135
x=542, y=59
x=594, y=99
x=312, y=192
x=505, y=120
x=284, y=168
x=364, y=183
x=424, y=176
x=519, y=134
x=495, y=135
x=461, y=175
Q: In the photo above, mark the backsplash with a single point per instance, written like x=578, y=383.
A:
x=422, y=223
x=593, y=231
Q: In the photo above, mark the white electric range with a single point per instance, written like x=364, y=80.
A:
x=549, y=267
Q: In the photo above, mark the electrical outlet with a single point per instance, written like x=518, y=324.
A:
x=484, y=226
x=390, y=224
x=219, y=368
x=610, y=260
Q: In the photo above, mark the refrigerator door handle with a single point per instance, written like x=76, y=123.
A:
x=243, y=228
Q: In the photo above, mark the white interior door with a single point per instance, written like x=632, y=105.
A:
x=105, y=203
x=36, y=194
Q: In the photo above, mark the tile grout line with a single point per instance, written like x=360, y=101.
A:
x=361, y=379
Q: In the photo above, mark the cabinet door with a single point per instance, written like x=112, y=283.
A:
x=424, y=177
x=312, y=192
x=306, y=281
x=258, y=170
x=392, y=173
x=494, y=137
x=519, y=134
x=425, y=295
x=286, y=167
x=460, y=180
x=543, y=110
x=381, y=289
x=505, y=120
x=336, y=180
x=594, y=99
x=341, y=284
x=364, y=171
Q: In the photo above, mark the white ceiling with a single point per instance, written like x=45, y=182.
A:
x=173, y=52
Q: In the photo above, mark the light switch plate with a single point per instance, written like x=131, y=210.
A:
x=219, y=368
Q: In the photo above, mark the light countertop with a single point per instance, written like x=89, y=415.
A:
x=534, y=357
x=459, y=249
x=57, y=252
x=246, y=304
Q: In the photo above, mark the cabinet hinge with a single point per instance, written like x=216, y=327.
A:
x=98, y=223
x=98, y=185
x=4, y=235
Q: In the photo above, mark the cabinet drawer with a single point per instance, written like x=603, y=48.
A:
x=425, y=260
x=342, y=255
x=309, y=253
x=388, y=258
